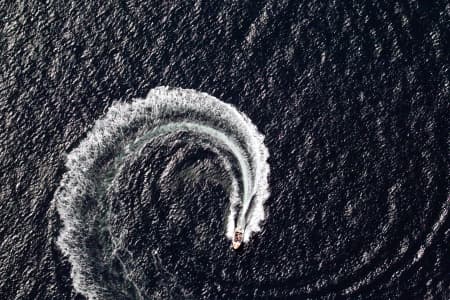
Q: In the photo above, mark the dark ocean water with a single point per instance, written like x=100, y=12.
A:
x=353, y=100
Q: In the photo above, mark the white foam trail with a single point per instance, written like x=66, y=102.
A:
x=124, y=131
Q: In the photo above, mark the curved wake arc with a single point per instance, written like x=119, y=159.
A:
x=122, y=134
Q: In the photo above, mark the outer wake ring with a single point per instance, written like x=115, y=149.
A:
x=123, y=132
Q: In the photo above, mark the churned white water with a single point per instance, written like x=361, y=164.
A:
x=124, y=131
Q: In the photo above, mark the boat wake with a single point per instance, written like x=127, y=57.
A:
x=125, y=132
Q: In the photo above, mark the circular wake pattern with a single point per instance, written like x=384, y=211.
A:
x=123, y=175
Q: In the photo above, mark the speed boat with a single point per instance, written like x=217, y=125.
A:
x=237, y=239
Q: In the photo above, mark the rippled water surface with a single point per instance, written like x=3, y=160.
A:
x=351, y=101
